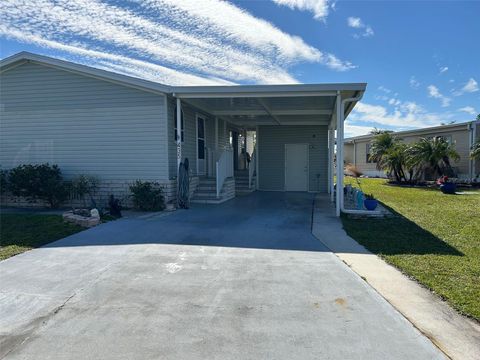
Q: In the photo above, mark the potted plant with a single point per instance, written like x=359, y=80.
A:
x=370, y=202
x=446, y=186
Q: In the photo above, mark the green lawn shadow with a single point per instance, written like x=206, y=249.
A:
x=396, y=235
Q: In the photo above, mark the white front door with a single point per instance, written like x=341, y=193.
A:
x=296, y=167
x=201, y=161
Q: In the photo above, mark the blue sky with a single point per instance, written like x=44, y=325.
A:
x=419, y=58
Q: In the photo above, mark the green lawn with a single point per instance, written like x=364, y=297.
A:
x=19, y=232
x=434, y=238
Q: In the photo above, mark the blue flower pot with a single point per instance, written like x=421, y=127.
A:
x=448, y=188
x=370, y=204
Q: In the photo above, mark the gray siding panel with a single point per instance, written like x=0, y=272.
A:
x=83, y=124
x=271, y=155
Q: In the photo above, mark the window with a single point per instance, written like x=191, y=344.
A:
x=175, y=125
x=367, y=152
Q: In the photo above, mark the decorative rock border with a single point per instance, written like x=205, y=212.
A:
x=84, y=221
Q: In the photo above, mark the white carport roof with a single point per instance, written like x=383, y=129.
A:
x=252, y=105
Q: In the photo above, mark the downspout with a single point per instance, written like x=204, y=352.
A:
x=340, y=145
x=354, y=153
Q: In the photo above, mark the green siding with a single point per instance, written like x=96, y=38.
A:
x=271, y=155
x=83, y=124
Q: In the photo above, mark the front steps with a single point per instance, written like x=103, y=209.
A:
x=206, y=192
x=241, y=183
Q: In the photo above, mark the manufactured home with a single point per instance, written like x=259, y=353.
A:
x=461, y=135
x=120, y=129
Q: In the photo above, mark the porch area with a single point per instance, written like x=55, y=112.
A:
x=269, y=137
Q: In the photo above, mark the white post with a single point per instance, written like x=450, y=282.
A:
x=216, y=135
x=339, y=154
x=257, y=159
x=179, y=136
x=331, y=148
x=354, y=153
x=225, y=133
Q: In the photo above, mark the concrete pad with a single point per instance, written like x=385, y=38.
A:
x=243, y=280
x=456, y=335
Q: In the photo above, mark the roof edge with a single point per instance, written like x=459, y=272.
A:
x=25, y=56
x=419, y=130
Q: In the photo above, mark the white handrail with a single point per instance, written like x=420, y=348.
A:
x=224, y=169
x=252, y=166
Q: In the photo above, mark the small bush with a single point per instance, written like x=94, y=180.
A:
x=42, y=182
x=147, y=196
x=83, y=185
x=3, y=181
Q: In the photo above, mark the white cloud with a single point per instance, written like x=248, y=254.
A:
x=356, y=130
x=414, y=83
x=319, y=8
x=208, y=39
x=394, y=102
x=435, y=93
x=384, y=89
x=469, y=110
x=121, y=64
x=407, y=116
x=357, y=23
x=471, y=86
x=443, y=69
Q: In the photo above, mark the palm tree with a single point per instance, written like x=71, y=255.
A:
x=394, y=159
x=475, y=151
x=381, y=143
x=434, y=154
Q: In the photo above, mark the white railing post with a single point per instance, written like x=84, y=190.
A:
x=224, y=169
x=217, y=178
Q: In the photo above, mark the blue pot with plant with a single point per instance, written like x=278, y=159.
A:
x=370, y=202
x=446, y=186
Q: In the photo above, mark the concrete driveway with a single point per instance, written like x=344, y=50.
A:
x=242, y=280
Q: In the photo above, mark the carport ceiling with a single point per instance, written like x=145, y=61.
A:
x=249, y=106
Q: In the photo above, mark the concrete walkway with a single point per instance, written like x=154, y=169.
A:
x=242, y=280
x=456, y=335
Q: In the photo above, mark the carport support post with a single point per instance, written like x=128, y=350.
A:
x=339, y=199
x=179, y=137
x=216, y=135
x=331, y=168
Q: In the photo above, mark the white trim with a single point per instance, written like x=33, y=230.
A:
x=205, y=160
x=257, y=159
x=418, y=132
x=179, y=135
x=307, y=145
x=339, y=189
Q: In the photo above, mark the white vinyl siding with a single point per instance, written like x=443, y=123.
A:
x=271, y=155
x=83, y=124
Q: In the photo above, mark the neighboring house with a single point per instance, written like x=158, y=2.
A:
x=120, y=128
x=462, y=135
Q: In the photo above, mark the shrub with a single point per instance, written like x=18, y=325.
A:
x=82, y=185
x=147, y=196
x=42, y=182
